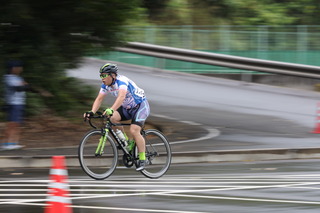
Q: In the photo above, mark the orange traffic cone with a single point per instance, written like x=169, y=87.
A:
x=58, y=200
x=317, y=127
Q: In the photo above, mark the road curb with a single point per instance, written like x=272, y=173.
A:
x=246, y=155
x=179, y=157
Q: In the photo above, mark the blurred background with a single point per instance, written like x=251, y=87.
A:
x=53, y=36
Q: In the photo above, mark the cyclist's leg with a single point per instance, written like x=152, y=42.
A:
x=135, y=131
x=117, y=117
x=139, y=117
x=140, y=114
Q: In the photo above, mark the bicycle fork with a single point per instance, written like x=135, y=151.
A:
x=102, y=142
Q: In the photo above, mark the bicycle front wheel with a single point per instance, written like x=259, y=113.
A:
x=158, y=154
x=101, y=166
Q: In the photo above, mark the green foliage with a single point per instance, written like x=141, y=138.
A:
x=36, y=104
x=155, y=8
x=79, y=95
x=51, y=36
x=259, y=12
x=234, y=12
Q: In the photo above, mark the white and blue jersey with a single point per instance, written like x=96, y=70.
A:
x=135, y=105
x=134, y=96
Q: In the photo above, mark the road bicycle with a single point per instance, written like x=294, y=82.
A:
x=98, y=150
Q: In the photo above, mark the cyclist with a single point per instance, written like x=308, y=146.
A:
x=130, y=103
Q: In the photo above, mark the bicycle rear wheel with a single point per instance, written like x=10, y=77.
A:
x=97, y=167
x=158, y=154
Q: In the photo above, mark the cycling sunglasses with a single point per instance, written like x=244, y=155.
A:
x=104, y=75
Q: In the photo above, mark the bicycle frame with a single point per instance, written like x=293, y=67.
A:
x=102, y=142
x=98, y=151
x=104, y=135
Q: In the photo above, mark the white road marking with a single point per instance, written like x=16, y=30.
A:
x=212, y=132
x=118, y=208
x=192, y=187
x=136, y=210
x=249, y=199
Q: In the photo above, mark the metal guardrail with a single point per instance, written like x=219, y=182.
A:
x=222, y=60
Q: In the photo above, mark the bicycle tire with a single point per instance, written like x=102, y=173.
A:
x=158, y=154
x=97, y=167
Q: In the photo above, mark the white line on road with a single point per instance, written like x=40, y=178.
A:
x=212, y=133
x=193, y=187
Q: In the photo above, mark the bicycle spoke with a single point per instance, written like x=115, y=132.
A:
x=97, y=165
x=158, y=154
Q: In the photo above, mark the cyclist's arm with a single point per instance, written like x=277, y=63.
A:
x=118, y=102
x=97, y=102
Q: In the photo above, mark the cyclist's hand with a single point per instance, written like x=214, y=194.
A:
x=87, y=115
x=108, y=112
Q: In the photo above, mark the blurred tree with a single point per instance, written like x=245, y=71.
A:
x=155, y=8
x=305, y=11
x=51, y=36
x=259, y=12
x=262, y=12
x=234, y=12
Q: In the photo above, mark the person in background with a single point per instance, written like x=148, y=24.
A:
x=15, y=100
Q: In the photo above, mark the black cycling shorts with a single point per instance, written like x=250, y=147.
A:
x=138, y=114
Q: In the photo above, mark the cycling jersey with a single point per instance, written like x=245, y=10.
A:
x=134, y=96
